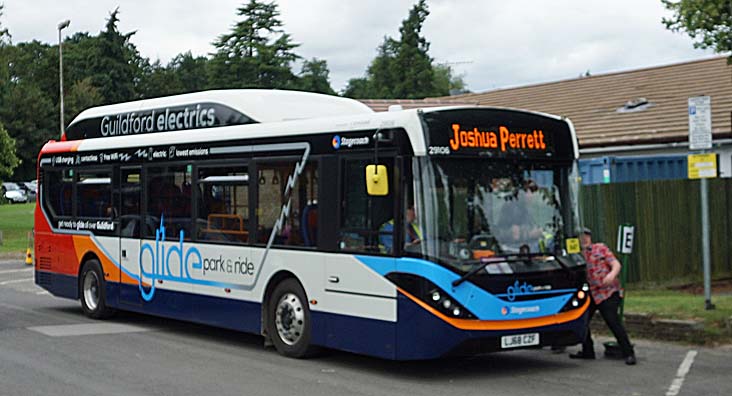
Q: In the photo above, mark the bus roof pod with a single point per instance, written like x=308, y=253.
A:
x=208, y=109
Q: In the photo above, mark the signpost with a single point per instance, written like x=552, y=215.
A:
x=624, y=247
x=700, y=138
x=702, y=166
x=626, y=237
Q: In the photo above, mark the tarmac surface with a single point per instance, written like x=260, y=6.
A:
x=47, y=346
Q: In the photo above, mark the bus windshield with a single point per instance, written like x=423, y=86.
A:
x=472, y=210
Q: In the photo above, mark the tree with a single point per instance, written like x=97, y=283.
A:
x=34, y=63
x=446, y=81
x=314, y=77
x=8, y=159
x=707, y=21
x=382, y=73
x=359, y=88
x=31, y=119
x=158, y=80
x=80, y=96
x=402, y=68
x=4, y=73
x=116, y=66
x=190, y=71
x=415, y=75
x=4, y=34
x=256, y=53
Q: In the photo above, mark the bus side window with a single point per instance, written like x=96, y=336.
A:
x=130, y=192
x=168, y=202
x=94, y=195
x=300, y=226
x=366, y=221
x=223, y=204
x=56, y=192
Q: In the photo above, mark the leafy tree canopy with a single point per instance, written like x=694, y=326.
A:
x=314, y=77
x=256, y=53
x=8, y=159
x=709, y=22
x=403, y=69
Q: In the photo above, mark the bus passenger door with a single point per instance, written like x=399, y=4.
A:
x=366, y=235
x=130, y=223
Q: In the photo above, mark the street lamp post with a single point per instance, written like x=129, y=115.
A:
x=61, y=26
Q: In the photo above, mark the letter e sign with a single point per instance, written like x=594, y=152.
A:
x=626, y=235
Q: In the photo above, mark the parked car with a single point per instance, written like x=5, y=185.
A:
x=13, y=193
x=30, y=190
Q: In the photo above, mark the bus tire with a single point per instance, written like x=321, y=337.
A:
x=92, y=291
x=289, y=323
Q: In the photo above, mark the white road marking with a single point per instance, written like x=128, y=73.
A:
x=16, y=270
x=684, y=368
x=43, y=292
x=87, y=329
x=3, y=283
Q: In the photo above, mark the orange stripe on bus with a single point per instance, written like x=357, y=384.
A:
x=472, y=324
x=84, y=244
x=60, y=147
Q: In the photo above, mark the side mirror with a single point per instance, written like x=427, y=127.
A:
x=377, y=181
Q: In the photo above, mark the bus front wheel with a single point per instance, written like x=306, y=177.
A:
x=92, y=291
x=288, y=320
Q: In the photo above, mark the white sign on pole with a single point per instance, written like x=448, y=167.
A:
x=700, y=123
x=625, y=239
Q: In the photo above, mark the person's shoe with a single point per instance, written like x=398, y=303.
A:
x=581, y=355
x=630, y=360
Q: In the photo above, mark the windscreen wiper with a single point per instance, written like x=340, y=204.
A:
x=483, y=264
x=512, y=258
x=556, y=258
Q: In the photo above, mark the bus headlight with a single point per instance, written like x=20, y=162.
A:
x=430, y=294
x=446, y=305
x=578, y=299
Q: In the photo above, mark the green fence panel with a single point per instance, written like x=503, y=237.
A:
x=667, y=217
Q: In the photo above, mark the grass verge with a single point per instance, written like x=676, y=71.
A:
x=674, y=304
x=16, y=221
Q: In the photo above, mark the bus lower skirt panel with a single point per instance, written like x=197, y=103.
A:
x=421, y=335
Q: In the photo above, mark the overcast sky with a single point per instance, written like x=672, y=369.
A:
x=494, y=44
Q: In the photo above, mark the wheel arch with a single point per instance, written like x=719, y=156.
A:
x=272, y=283
x=88, y=256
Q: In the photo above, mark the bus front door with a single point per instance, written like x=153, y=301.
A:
x=131, y=223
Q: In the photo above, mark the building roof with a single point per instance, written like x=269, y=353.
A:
x=406, y=104
x=595, y=104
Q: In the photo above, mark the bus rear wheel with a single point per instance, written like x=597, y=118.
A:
x=92, y=291
x=288, y=320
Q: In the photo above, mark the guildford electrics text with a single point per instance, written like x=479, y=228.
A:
x=158, y=121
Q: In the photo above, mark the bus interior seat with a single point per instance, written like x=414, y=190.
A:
x=309, y=225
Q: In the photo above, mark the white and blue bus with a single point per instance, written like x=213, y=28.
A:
x=310, y=219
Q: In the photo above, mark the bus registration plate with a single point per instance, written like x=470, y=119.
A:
x=519, y=340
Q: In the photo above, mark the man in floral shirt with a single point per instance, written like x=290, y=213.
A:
x=602, y=275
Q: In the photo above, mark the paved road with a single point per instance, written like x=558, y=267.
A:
x=48, y=347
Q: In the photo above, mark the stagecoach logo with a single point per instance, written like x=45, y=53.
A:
x=339, y=142
x=155, y=265
x=519, y=310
